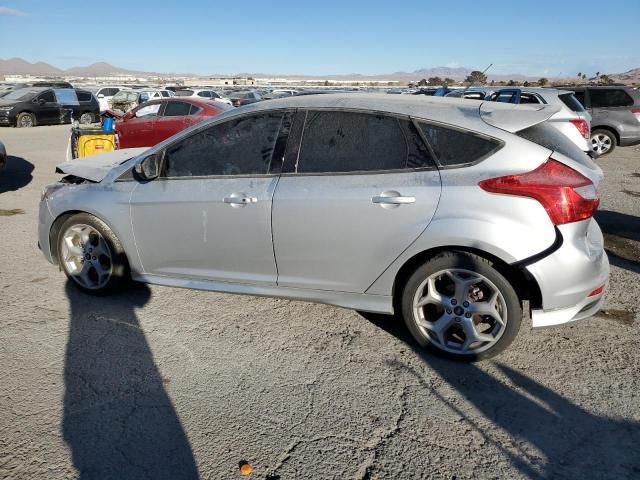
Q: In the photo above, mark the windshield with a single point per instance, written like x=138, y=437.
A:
x=22, y=94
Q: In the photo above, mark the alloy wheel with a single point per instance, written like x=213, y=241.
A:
x=601, y=143
x=460, y=311
x=86, y=256
x=26, y=121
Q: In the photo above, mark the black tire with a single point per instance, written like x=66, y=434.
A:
x=25, y=120
x=86, y=118
x=474, y=263
x=610, y=139
x=120, y=272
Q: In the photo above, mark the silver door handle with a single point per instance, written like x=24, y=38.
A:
x=393, y=200
x=239, y=200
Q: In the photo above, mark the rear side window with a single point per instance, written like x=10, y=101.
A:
x=609, y=98
x=47, y=97
x=177, y=109
x=572, y=102
x=455, y=148
x=549, y=137
x=338, y=142
x=83, y=96
x=236, y=147
x=204, y=94
x=580, y=97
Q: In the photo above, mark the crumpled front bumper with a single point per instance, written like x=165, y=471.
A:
x=568, y=277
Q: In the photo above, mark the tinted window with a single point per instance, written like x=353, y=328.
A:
x=455, y=148
x=355, y=142
x=529, y=98
x=204, y=94
x=503, y=97
x=184, y=93
x=237, y=147
x=83, y=96
x=177, y=109
x=572, y=102
x=580, y=97
x=193, y=110
x=47, y=97
x=551, y=138
x=108, y=92
x=609, y=98
x=165, y=93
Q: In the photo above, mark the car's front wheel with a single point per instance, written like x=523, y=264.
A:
x=459, y=305
x=603, y=141
x=25, y=120
x=91, y=255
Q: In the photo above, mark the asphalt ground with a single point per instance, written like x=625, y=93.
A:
x=164, y=383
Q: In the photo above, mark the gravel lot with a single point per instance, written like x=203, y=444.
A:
x=167, y=383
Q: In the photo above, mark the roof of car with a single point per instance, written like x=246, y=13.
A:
x=454, y=111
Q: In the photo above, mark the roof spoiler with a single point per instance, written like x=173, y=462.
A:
x=513, y=118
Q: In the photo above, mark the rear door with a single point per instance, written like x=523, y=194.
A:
x=611, y=106
x=359, y=190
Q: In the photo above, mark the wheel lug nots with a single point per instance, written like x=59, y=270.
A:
x=465, y=304
x=454, y=301
x=468, y=315
x=449, y=310
x=458, y=319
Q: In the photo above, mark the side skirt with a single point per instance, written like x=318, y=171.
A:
x=355, y=301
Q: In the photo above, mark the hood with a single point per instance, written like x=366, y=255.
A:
x=513, y=118
x=96, y=167
x=8, y=103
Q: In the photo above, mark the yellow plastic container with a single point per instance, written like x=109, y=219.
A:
x=90, y=144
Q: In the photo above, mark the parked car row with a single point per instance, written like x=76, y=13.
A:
x=28, y=107
x=604, y=116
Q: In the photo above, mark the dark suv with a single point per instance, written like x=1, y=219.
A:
x=28, y=107
x=615, y=116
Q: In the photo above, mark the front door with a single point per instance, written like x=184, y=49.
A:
x=208, y=216
x=48, y=110
x=137, y=129
x=364, y=187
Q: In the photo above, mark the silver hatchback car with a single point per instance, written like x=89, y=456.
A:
x=453, y=215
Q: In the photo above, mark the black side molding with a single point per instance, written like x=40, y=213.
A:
x=545, y=253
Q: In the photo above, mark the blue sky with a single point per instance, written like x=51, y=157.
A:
x=551, y=38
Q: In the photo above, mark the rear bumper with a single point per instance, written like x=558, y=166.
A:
x=569, y=275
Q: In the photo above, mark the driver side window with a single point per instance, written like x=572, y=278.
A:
x=47, y=97
x=242, y=146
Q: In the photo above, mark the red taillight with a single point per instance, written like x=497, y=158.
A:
x=636, y=112
x=566, y=195
x=582, y=126
x=597, y=291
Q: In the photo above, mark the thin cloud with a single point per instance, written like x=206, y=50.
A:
x=12, y=12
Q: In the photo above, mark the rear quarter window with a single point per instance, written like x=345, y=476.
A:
x=572, y=102
x=609, y=98
x=456, y=148
x=549, y=137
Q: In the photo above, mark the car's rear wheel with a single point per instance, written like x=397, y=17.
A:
x=459, y=305
x=91, y=255
x=25, y=120
x=86, y=118
x=603, y=141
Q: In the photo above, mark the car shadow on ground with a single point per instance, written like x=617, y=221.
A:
x=119, y=421
x=548, y=435
x=621, y=238
x=15, y=174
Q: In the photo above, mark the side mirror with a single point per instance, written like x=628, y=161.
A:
x=41, y=101
x=100, y=95
x=149, y=168
x=127, y=116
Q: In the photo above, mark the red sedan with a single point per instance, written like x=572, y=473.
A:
x=157, y=120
